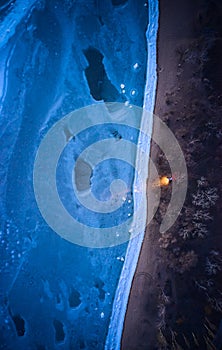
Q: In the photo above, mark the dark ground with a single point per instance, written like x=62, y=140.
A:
x=176, y=296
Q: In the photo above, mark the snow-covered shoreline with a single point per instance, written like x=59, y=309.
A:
x=113, y=340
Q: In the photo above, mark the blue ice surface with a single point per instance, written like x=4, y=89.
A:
x=56, y=57
x=103, y=175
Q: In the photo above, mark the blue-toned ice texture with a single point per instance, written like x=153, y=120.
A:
x=56, y=57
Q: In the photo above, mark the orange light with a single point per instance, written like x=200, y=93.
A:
x=164, y=181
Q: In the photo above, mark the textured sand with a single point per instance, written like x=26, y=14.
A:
x=176, y=28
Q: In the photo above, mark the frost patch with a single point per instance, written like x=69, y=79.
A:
x=100, y=86
x=99, y=284
x=59, y=331
x=119, y=2
x=19, y=325
x=74, y=298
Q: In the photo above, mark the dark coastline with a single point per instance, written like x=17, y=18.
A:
x=172, y=302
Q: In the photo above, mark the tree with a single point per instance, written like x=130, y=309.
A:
x=205, y=198
x=202, y=215
x=184, y=262
x=166, y=240
x=212, y=267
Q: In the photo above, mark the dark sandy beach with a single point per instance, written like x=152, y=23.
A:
x=176, y=296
